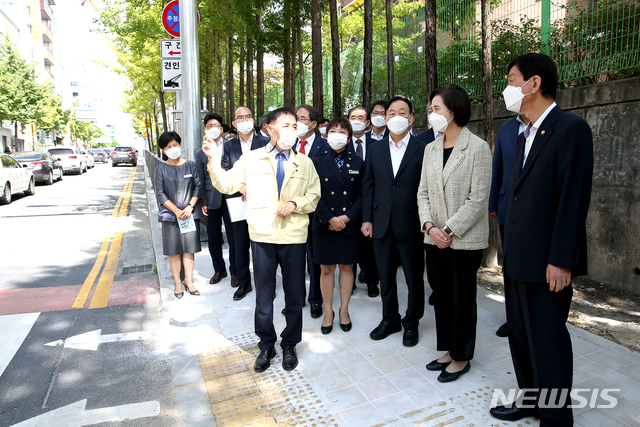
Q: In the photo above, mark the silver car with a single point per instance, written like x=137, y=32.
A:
x=124, y=154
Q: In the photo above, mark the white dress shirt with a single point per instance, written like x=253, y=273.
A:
x=532, y=132
x=307, y=146
x=364, y=145
x=397, y=153
x=377, y=137
x=246, y=146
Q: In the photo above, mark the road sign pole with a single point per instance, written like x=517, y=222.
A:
x=190, y=78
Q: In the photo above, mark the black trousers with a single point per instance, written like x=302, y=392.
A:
x=315, y=295
x=367, y=261
x=242, y=244
x=266, y=258
x=387, y=250
x=540, y=343
x=454, y=285
x=214, y=230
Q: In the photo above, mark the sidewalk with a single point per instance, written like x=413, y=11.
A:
x=349, y=380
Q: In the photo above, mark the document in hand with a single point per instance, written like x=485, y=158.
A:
x=237, y=209
x=187, y=225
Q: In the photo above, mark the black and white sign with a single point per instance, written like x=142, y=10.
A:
x=170, y=48
x=171, y=75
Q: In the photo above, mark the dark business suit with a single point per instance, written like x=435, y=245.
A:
x=504, y=156
x=367, y=260
x=315, y=294
x=427, y=136
x=545, y=224
x=390, y=204
x=216, y=212
x=416, y=132
x=231, y=154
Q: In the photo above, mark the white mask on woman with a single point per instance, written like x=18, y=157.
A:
x=173, y=152
x=398, y=124
x=245, y=128
x=337, y=141
x=439, y=122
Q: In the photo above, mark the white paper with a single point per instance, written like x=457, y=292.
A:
x=187, y=225
x=237, y=209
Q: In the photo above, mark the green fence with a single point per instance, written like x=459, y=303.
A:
x=590, y=40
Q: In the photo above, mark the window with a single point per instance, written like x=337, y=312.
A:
x=75, y=94
x=74, y=84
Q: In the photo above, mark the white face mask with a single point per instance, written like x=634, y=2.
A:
x=323, y=131
x=245, y=128
x=513, y=97
x=214, y=133
x=378, y=121
x=358, y=126
x=173, y=152
x=302, y=129
x=337, y=141
x=439, y=122
x=287, y=138
x=398, y=124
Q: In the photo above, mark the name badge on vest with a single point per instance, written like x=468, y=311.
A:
x=354, y=172
x=188, y=176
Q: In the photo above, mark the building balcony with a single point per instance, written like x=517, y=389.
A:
x=48, y=56
x=45, y=9
x=46, y=32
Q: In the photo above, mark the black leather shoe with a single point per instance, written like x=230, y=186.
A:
x=512, y=413
x=385, y=329
x=234, y=281
x=316, y=310
x=263, y=361
x=410, y=337
x=289, y=358
x=326, y=330
x=431, y=302
x=346, y=327
x=437, y=366
x=447, y=377
x=361, y=276
x=216, y=278
x=373, y=291
x=503, y=331
x=242, y=292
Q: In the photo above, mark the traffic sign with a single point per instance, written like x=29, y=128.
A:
x=170, y=48
x=171, y=75
x=171, y=18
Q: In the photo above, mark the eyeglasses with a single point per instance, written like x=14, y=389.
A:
x=243, y=118
x=211, y=126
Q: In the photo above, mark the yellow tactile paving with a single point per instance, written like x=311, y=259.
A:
x=242, y=397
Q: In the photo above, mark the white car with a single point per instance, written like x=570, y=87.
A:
x=87, y=155
x=14, y=179
x=71, y=158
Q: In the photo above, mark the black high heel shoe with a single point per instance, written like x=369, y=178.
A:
x=326, y=330
x=346, y=327
x=196, y=292
x=179, y=295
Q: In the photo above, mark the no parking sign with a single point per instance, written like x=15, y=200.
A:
x=171, y=18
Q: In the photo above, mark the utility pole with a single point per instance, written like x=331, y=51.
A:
x=192, y=138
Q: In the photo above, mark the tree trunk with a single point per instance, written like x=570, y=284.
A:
x=368, y=54
x=241, y=60
x=390, y=58
x=490, y=258
x=163, y=110
x=230, y=81
x=259, y=68
x=286, y=59
x=250, y=93
x=155, y=117
x=219, y=97
x=294, y=49
x=316, y=55
x=430, y=53
x=302, y=97
x=15, y=141
x=335, y=60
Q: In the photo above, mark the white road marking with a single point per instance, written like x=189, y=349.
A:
x=14, y=328
x=91, y=340
x=75, y=415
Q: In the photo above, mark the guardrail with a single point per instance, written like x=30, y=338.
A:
x=152, y=161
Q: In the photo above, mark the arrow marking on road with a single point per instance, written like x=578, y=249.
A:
x=75, y=415
x=91, y=340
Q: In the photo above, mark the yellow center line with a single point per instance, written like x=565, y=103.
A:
x=103, y=289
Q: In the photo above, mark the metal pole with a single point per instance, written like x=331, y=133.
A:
x=546, y=26
x=192, y=138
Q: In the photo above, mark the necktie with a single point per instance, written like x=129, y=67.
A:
x=359, y=149
x=525, y=135
x=280, y=171
x=302, y=144
x=339, y=162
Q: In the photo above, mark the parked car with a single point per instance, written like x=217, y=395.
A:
x=87, y=155
x=44, y=167
x=124, y=155
x=108, y=151
x=14, y=179
x=71, y=158
x=99, y=155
